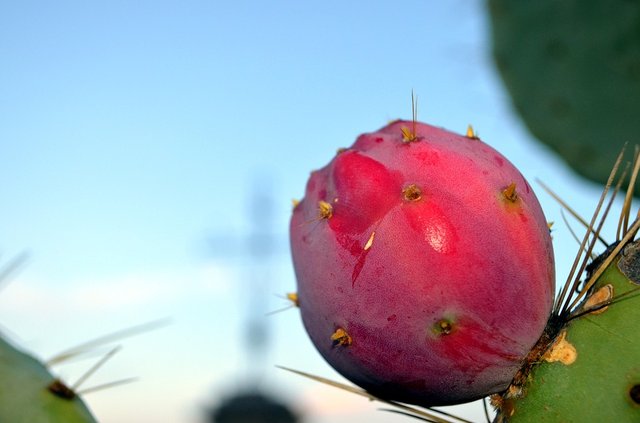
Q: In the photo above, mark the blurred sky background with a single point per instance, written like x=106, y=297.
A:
x=136, y=138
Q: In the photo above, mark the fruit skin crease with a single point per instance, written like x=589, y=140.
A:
x=442, y=292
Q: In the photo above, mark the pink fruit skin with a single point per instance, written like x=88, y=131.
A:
x=454, y=288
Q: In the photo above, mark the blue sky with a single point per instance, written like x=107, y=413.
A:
x=132, y=135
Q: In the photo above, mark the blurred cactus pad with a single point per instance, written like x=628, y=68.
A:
x=30, y=394
x=572, y=69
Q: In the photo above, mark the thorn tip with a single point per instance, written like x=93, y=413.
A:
x=325, y=210
x=510, y=193
x=341, y=337
x=370, y=241
x=293, y=297
x=471, y=134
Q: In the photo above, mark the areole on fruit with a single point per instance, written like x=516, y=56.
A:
x=424, y=265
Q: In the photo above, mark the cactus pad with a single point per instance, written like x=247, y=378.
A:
x=30, y=394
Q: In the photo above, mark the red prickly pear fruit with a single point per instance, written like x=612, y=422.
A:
x=424, y=265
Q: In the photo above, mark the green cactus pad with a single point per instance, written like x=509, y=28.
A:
x=572, y=69
x=30, y=394
x=600, y=379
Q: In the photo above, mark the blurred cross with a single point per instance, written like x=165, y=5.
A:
x=259, y=247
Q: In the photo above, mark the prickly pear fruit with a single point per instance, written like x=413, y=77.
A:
x=29, y=393
x=424, y=265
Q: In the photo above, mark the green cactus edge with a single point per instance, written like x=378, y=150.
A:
x=30, y=393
